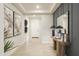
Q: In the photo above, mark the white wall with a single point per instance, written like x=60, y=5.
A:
x=46, y=32
x=27, y=34
x=35, y=27
x=1, y=30
x=46, y=21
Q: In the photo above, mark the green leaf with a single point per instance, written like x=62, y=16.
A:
x=8, y=45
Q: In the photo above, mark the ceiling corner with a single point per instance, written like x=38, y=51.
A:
x=54, y=7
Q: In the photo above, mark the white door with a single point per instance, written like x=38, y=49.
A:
x=35, y=27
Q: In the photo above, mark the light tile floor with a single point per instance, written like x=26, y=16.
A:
x=35, y=48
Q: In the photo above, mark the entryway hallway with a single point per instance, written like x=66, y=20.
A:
x=35, y=48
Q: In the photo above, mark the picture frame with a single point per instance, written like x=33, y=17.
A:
x=64, y=22
x=17, y=24
x=8, y=22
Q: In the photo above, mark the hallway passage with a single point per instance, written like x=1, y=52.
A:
x=35, y=48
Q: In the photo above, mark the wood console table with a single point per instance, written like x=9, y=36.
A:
x=60, y=46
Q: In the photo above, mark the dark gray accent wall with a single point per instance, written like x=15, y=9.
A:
x=74, y=49
x=73, y=9
x=63, y=8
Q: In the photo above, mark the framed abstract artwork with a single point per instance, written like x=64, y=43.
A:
x=17, y=24
x=8, y=22
x=63, y=21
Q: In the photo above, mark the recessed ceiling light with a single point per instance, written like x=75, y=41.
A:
x=37, y=6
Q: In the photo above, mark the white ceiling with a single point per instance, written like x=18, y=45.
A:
x=29, y=8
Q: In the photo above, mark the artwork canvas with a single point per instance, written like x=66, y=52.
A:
x=63, y=21
x=17, y=24
x=8, y=22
